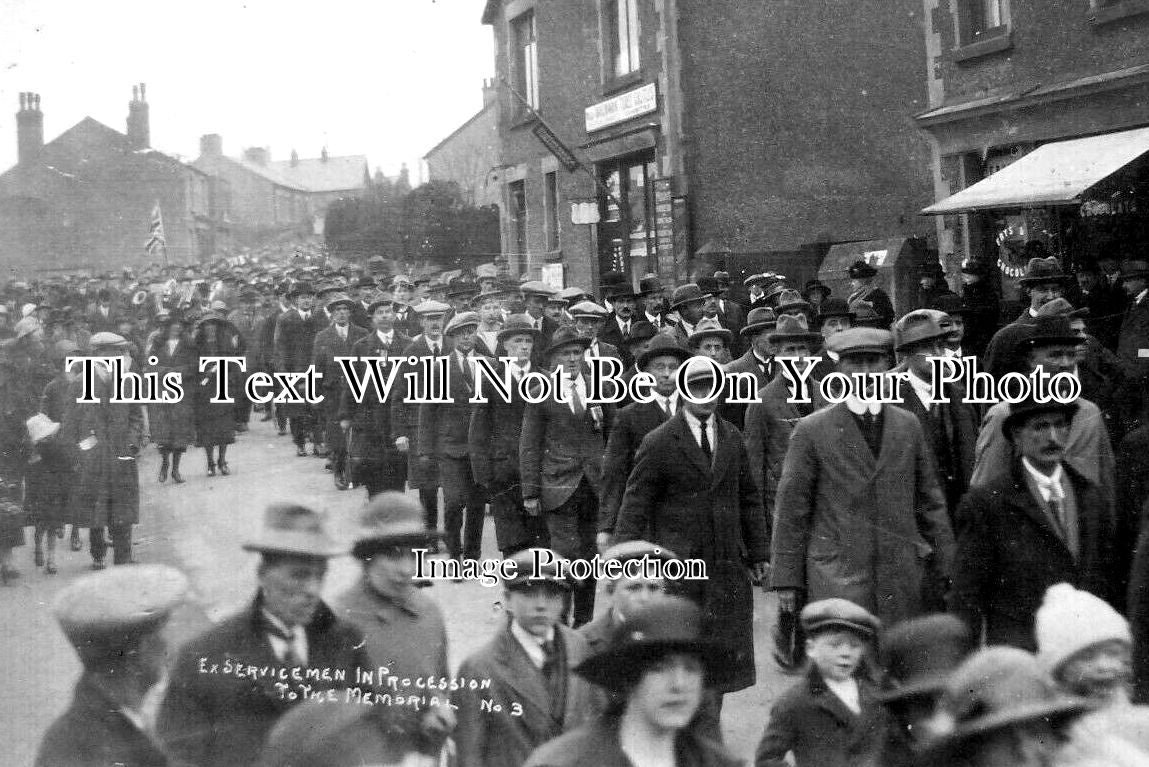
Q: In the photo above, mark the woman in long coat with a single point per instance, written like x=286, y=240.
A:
x=15, y=408
x=50, y=469
x=172, y=424
x=215, y=421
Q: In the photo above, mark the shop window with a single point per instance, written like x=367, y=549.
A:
x=627, y=237
x=526, y=58
x=551, y=205
x=621, y=23
x=981, y=19
x=518, y=205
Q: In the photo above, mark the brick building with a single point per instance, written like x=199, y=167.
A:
x=1009, y=80
x=754, y=128
x=469, y=156
x=85, y=198
x=261, y=197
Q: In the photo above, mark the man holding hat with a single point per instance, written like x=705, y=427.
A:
x=403, y=628
x=115, y=621
x=692, y=489
x=560, y=459
x=529, y=663
x=771, y=420
x=863, y=282
x=107, y=436
x=295, y=332
x=758, y=360
x=950, y=427
x=443, y=440
x=1040, y=523
x=1043, y=281
x=336, y=340
x=494, y=434
x=662, y=360
x=858, y=501
x=214, y=717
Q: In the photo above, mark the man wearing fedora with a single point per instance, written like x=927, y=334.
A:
x=858, y=502
x=336, y=340
x=618, y=324
x=863, y=282
x=212, y=717
x=443, y=439
x=710, y=339
x=692, y=491
x=364, y=296
x=652, y=302
x=757, y=361
x=529, y=663
x=377, y=463
x=561, y=460
x=932, y=285
x=115, y=620
x=107, y=437
x=642, y=333
x=1041, y=522
x=662, y=360
x=771, y=420
x=951, y=427
x=403, y=628
x=295, y=332
x=687, y=302
x=494, y=434
x=1043, y=281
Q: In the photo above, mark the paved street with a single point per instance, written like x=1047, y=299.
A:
x=198, y=527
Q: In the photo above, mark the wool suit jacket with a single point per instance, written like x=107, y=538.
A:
x=558, y=449
x=372, y=417
x=703, y=509
x=634, y=422
x=405, y=415
x=493, y=434
x=769, y=424
x=747, y=363
x=328, y=345
x=93, y=732
x=849, y=525
x=612, y=335
x=1134, y=336
x=1008, y=554
x=1001, y=352
x=443, y=428
x=295, y=338
x=505, y=738
x=222, y=720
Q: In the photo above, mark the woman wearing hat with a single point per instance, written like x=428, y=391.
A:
x=214, y=421
x=656, y=670
x=172, y=423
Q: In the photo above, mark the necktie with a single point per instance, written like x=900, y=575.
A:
x=290, y=655
x=625, y=329
x=665, y=406
x=576, y=400
x=705, y=437
x=342, y=332
x=434, y=350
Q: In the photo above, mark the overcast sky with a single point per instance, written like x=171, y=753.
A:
x=385, y=78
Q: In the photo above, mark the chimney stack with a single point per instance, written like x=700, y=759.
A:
x=294, y=158
x=260, y=155
x=323, y=155
x=139, y=134
x=29, y=129
x=211, y=145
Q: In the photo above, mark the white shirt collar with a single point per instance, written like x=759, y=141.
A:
x=1032, y=312
x=279, y=644
x=531, y=643
x=857, y=407
x=654, y=320
x=1049, y=486
x=622, y=324
x=385, y=337
x=670, y=402
x=922, y=388
x=696, y=428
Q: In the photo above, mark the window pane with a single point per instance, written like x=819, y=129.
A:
x=632, y=34
x=636, y=203
x=613, y=183
x=622, y=23
x=526, y=58
x=551, y=200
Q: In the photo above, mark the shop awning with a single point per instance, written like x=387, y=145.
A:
x=1053, y=174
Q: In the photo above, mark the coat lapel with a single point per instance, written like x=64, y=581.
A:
x=688, y=446
x=522, y=676
x=826, y=700
x=890, y=437
x=852, y=445
x=1023, y=499
x=725, y=453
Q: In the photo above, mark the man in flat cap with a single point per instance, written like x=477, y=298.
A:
x=212, y=717
x=336, y=340
x=443, y=439
x=858, y=501
x=108, y=437
x=535, y=295
x=114, y=620
x=529, y=663
x=589, y=320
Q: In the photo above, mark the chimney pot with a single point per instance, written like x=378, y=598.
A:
x=29, y=128
x=323, y=155
x=23, y=101
x=143, y=93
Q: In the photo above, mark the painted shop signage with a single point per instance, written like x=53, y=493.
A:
x=622, y=107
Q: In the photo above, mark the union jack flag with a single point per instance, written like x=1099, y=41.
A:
x=156, y=240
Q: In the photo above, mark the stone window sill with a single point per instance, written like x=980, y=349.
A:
x=992, y=43
x=1123, y=10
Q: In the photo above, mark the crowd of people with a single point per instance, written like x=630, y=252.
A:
x=957, y=582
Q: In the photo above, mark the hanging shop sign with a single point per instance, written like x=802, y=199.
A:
x=623, y=107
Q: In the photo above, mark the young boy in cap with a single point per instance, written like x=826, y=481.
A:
x=830, y=718
x=528, y=663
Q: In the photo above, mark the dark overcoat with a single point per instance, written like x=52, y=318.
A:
x=373, y=436
x=107, y=480
x=49, y=478
x=443, y=427
x=405, y=415
x=747, y=363
x=506, y=737
x=849, y=525
x=596, y=745
x=93, y=732
x=222, y=720
x=705, y=509
x=634, y=422
x=328, y=346
x=1009, y=554
x=769, y=423
x=294, y=343
x=821, y=731
x=1132, y=338
x=172, y=424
